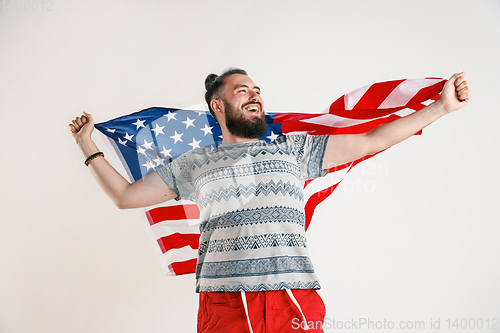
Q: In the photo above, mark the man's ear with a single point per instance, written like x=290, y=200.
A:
x=216, y=105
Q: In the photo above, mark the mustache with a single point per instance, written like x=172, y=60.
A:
x=246, y=104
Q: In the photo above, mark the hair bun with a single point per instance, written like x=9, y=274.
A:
x=210, y=79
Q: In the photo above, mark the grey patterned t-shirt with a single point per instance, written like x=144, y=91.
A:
x=250, y=197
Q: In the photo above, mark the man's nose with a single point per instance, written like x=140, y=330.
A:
x=253, y=96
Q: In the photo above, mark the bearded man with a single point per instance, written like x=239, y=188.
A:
x=254, y=273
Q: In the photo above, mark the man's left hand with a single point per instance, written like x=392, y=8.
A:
x=456, y=93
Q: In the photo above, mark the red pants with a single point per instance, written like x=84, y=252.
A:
x=269, y=311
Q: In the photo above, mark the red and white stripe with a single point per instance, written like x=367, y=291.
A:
x=174, y=227
x=358, y=112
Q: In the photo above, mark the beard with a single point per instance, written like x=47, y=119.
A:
x=238, y=124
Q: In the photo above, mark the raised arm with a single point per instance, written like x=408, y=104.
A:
x=148, y=191
x=343, y=149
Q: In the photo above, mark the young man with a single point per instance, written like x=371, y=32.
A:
x=253, y=272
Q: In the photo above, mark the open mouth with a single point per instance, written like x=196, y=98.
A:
x=254, y=108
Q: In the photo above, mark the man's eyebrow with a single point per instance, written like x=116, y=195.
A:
x=245, y=86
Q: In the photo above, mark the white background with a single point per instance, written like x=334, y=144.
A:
x=412, y=235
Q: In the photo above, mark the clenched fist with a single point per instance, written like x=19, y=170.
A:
x=456, y=93
x=82, y=127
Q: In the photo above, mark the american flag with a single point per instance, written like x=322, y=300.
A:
x=149, y=139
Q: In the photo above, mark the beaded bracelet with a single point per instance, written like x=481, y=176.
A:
x=91, y=157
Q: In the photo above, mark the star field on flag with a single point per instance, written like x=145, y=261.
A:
x=152, y=138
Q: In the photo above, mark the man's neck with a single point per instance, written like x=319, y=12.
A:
x=228, y=138
x=227, y=141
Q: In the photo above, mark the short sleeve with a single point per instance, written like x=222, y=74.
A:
x=309, y=150
x=177, y=176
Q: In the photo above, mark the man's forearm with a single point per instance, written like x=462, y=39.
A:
x=113, y=184
x=387, y=135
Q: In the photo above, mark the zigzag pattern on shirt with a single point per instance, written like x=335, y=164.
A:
x=251, y=216
x=298, y=147
x=254, y=267
x=262, y=287
x=314, y=167
x=249, y=169
x=253, y=242
x=204, y=156
x=262, y=188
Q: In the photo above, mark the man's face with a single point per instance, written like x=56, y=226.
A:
x=244, y=108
